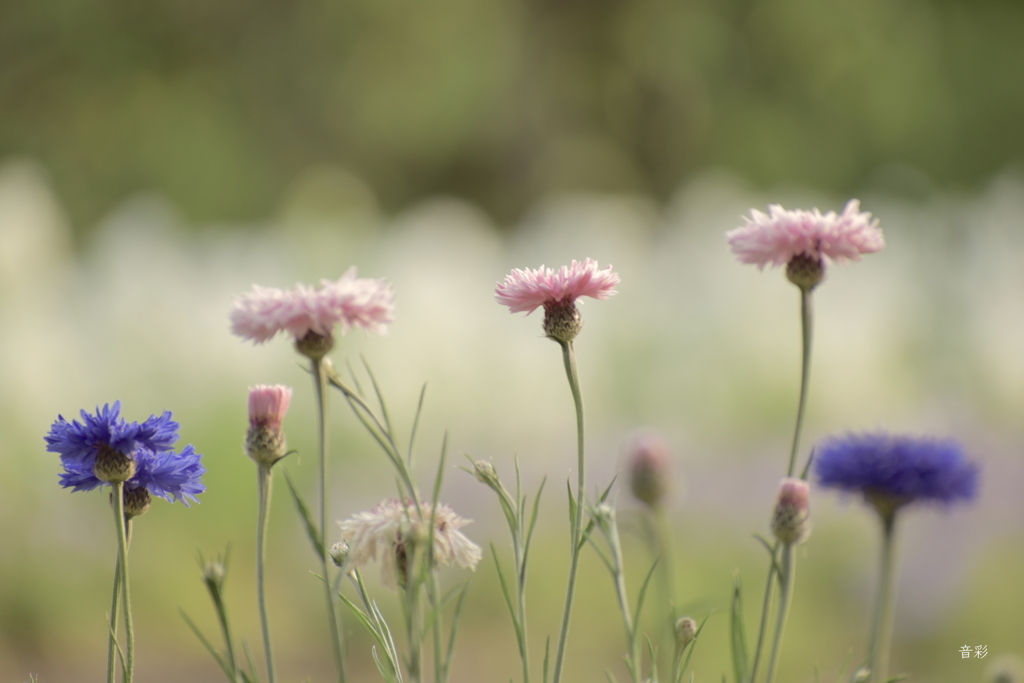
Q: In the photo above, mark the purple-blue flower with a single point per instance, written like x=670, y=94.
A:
x=894, y=470
x=163, y=472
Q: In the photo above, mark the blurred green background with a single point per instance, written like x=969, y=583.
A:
x=157, y=158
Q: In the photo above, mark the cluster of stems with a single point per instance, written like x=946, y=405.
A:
x=782, y=567
x=121, y=593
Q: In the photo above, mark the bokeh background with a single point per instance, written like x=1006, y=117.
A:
x=157, y=158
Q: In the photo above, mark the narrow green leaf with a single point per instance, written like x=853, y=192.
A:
x=643, y=593
x=206, y=644
x=604, y=558
x=533, y=523
x=547, y=657
x=312, y=531
x=380, y=397
x=572, y=505
x=456, y=617
x=416, y=423
x=807, y=467
x=771, y=553
x=737, y=634
x=608, y=489
x=508, y=599
x=253, y=677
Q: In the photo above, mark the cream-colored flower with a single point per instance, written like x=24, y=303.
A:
x=392, y=525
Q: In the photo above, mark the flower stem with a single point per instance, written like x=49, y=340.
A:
x=807, y=324
x=320, y=383
x=261, y=556
x=633, y=656
x=122, y=547
x=885, y=613
x=114, y=605
x=786, y=597
x=569, y=356
x=766, y=608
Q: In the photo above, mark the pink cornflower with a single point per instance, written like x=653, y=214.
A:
x=805, y=240
x=556, y=291
x=350, y=301
x=264, y=442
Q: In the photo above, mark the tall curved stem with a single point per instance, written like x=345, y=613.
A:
x=569, y=357
x=122, y=551
x=786, y=597
x=807, y=325
x=264, y=481
x=320, y=383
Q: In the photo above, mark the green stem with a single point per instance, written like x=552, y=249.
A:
x=112, y=636
x=114, y=604
x=766, y=608
x=632, y=641
x=569, y=356
x=807, y=324
x=788, y=569
x=122, y=546
x=261, y=553
x=440, y=674
x=524, y=648
x=885, y=612
x=320, y=383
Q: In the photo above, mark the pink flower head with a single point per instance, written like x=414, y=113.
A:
x=350, y=301
x=268, y=405
x=782, y=235
x=794, y=493
x=526, y=290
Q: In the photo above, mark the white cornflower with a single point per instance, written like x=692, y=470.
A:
x=392, y=524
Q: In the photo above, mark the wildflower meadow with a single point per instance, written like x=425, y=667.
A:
x=766, y=445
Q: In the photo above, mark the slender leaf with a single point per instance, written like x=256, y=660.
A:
x=771, y=553
x=456, y=617
x=312, y=530
x=737, y=635
x=416, y=423
x=507, y=596
x=206, y=644
x=380, y=398
x=643, y=594
x=807, y=467
x=547, y=657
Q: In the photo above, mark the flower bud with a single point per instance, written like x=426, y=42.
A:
x=562, y=321
x=214, y=573
x=485, y=473
x=136, y=501
x=339, y=553
x=792, y=520
x=686, y=631
x=861, y=675
x=805, y=271
x=315, y=346
x=650, y=468
x=265, y=442
x=113, y=466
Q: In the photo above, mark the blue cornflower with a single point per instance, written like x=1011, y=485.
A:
x=170, y=475
x=893, y=470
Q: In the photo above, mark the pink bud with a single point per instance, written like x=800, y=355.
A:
x=791, y=522
x=268, y=405
x=650, y=467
